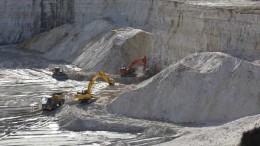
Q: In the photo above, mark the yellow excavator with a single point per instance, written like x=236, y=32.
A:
x=85, y=95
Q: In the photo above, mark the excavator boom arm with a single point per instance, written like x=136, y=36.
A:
x=144, y=60
x=90, y=84
x=100, y=74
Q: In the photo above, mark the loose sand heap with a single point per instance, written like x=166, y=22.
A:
x=203, y=87
x=224, y=135
x=96, y=46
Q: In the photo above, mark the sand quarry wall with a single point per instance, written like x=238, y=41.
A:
x=182, y=28
x=22, y=19
x=98, y=45
x=178, y=28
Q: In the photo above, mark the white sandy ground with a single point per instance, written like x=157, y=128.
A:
x=81, y=118
x=208, y=87
x=24, y=83
x=203, y=87
x=46, y=130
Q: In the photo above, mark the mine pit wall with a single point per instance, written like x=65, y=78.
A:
x=182, y=29
x=178, y=28
x=134, y=13
x=22, y=19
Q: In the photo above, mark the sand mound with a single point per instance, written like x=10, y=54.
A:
x=203, y=87
x=224, y=135
x=96, y=46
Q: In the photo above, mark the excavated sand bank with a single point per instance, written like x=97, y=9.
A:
x=203, y=87
x=94, y=46
x=227, y=134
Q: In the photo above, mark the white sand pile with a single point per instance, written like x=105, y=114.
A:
x=225, y=135
x=67, y=41
x=96, y=46
x=203, y=87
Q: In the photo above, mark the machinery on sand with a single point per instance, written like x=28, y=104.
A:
x=53, y=102
x=85, y=95
x=130, y=71
x=59, y=74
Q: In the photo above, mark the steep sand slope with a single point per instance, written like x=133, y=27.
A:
x=203, y=87
x=67, y=42
x=224, y=135
x=96, y=46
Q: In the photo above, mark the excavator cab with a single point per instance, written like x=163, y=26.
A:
x=82, y=92
x=52, y=102
x=46, y=100
x=48, y=103
x=85, y=95
x=59, y=74
x=126, y=71
x=57, y=70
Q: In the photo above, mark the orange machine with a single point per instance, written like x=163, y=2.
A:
x=130, y=72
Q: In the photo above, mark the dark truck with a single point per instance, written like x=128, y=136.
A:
x=53, y=102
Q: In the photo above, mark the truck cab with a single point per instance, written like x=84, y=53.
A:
x=52, y=102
